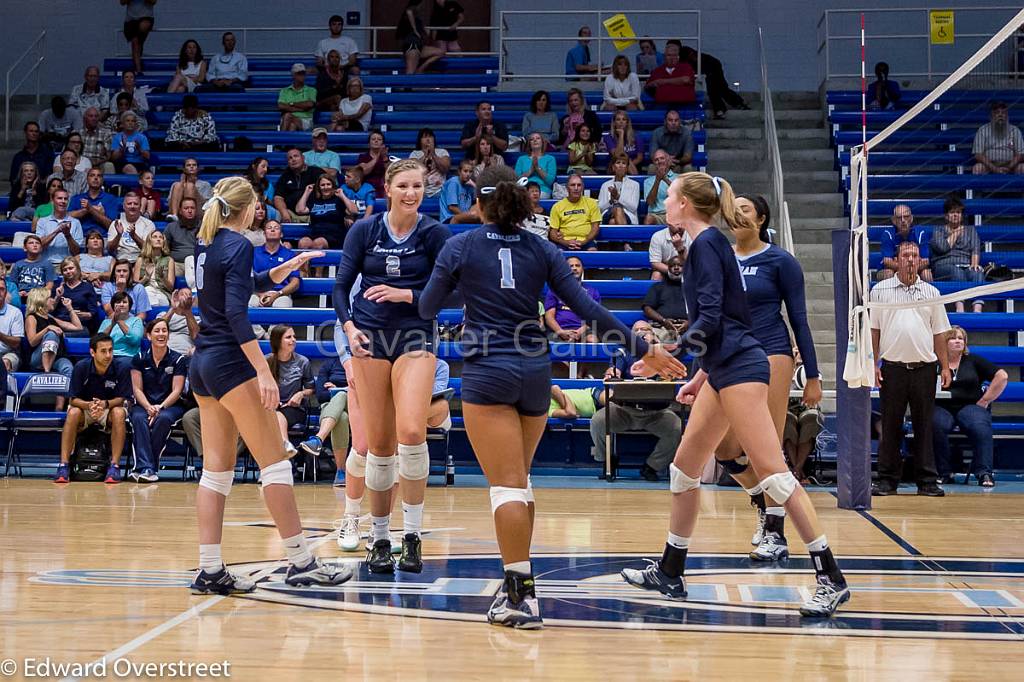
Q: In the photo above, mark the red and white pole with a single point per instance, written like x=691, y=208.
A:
x=863, y=90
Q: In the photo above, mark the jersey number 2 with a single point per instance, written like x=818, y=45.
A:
x=507, y=280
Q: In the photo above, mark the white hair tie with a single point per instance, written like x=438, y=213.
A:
x=225, y=210
x=716, y=181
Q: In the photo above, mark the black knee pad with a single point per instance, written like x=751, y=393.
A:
x=736, y=466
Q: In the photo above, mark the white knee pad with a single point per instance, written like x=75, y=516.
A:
x=380, y=472
x=780, y=486
x=529, y=490
x=501, y=495
x=355, y=464
x=217, y=481
x=413, y=461
x=679, y=482
x=279, y=473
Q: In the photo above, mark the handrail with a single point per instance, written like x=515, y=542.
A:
x=777, y=197
x=9, y=91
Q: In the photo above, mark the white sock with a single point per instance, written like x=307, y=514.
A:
x=775, y=511
x=818, y=544
x=381, y=527
x=678, y=541
x=757, y=489
x=520, y=567
x=353, y=506
x=412, y=518
x=209, y=558
x=297, y=550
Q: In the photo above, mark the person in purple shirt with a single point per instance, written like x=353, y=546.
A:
x=565, y=325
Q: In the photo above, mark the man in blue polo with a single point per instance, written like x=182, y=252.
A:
x=577, y=60
x=903, y=230
x=95, y=208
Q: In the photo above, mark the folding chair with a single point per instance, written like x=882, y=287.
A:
x=445, y=437
x=39, y=385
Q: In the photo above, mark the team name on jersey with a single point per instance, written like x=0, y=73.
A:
x=749, y=270
x=377, y=248
x=503, y=237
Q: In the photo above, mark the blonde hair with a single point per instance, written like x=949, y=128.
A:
x=71, y=260
x=36, y=301
x=958, y=330
x=402, y=166
x=147, y=254
x=711, y=196
x=231, y=198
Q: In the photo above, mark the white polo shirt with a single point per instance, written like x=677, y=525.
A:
x=907, y=335
x=12, y=323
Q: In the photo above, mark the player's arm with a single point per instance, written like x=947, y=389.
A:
x=791, y=282
x=443, y=280
x=710, y=279
x=348, y=269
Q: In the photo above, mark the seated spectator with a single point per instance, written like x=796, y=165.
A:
x=659, y=420
x=188, y=185
x=359, y=194
x=664, y=305
x=294, y=376
x=94, y=208
x=803, y=424
x=458, y=196
x=182, y=234
x=268, y=256
x=320, y=156
x=297, y=101
x=346, y=48
x=577, y=60
x=621, y=87
x=43, y=210
x=676, y=140
x=14, y=300
x=619, y=198
x=538, y=223
x=121, y=282
x=44, y=332
x=720, y=95
x=256, y=174
x=449, y=14
x=99, y=390
x=33, y=271
x=666, y=244
x=12, y=330
x=673, y=83
x=292, y=183
x=484, y=126
x=330, y=83
x=903, y=230
x=374, y=162
x=435, y=159
x=538, y=166
x=127, y=235
x=90, y=94
x=96, y=141
x=158, y=380
x=955, y=250
x=95, y=263
x=73, y=180
x=182, y=323
x=191, y=70
x=60, y=233
x=229, y=71
x=123, y=105
x=192, y=128
x=355, y=110
x=254, y=233
x=540, y=119
x=575, y=220
x=57, y=122
x=883, y=94
x=579, y=112
x=969, y=406
x=334, y=420
x=648, y=59
x=582, y=151
x=574, y=403
x=75, y=144
x=36, y=152
x=656, y=187
x=326, y=207
x=622, y=138
x=561, y=321
x=998, y=145
x=154, y=269
x=129, y=148
x=152, y=199
x=139, y=102
x=484, y=157
x=80, y=294
x=27, y=193
x=125, y=329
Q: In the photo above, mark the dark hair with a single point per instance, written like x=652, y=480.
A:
x=119, y=262
x=183, y=58
x=94, y=233
x=506, y=204
x=189, y=100
x=123, y=97
x=131, y=71
x=763, y=211
x=375, y=131
x=424, y=132
x=258, y=183
x=29, y=123
x=121, y=296
x=289, y=148
x=881, y=66
x=331, y=178
x=998, y=104
x=479, y=102
x=153, y=323
x=536, y=98
x=531, y=184
x=58, y=103
x=225, y=34
x=277, y=332
x=97, y=339
x=952, y=204
x=336, y=17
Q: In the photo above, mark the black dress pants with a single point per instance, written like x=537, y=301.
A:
x=902, y=386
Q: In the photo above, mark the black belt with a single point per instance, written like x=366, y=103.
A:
x=908, y=365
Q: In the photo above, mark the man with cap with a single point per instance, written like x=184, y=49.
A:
x=322, y=157
x=296, y=101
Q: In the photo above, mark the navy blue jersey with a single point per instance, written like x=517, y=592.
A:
x=502, y=278
x=773, y=277
x=372, y=251
x=719, y=318
x=158, y=377
x=225, y=281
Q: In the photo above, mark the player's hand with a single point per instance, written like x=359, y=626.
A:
x=660, y=361
x=382, y=293
x=688, y=393
x=270, y=395
x=302, y=258
x=358, y=343
x=812, y=392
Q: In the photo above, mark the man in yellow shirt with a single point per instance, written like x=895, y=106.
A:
x=576, y=219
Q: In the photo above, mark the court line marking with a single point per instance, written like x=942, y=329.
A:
x=888, y=532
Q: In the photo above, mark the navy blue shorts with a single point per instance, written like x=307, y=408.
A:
x=391, y=344
x=519, y=381
x=215, y=372
x=746, y=367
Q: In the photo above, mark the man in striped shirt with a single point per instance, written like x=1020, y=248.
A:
x=998, y=146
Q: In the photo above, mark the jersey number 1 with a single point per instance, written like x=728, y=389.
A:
x=507, y=280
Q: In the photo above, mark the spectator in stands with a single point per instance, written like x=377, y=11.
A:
x=458, y=196
x=330, y=83
x=33, y=271
x=621, y=87
x=537, y=165
x=152, y=199
x=12, y=331
x=346, y=48
x=435, y=159
x=57, y=122
x=969, y=407
x=39, y=154
x=12, y=288
x=575, y=220
x=124, y=328
x=956, y=250
x=129, y=148
x=676, y=140
x=803, y=424
x=577, y=60
x=883, y=94
x=94, y=208
x=99, y=390
x=254, y=233
x=27, y=192
x=158, y=381
x=375, y=161
x=582, y=151
x=673, y=82
x=574, y=403
x=292, y=182
x=73, y=180
x=540, y=119
x=326, y=206
x=127, y=235
x=666, y=244
x=90, y=94
x=664, y=305
x=322, y=157
x=354, y=111
x=561, y=321
x=191, y=70
x=138, y=22
x=719, y=93
x=256, y=174
x=61, y=234
x=578, y=113
x=656, y=187
x=998, y=145
x=903, y=230
x=184, y=328
x=297, y=101
x=190, y=185
x=622, y=138
x=192, y=128
x=121, y=281
x=122, y=105
x=412, y=34
x=538, y=223
x=648, y=59
x=154, y=269
x=484, y=126
x=96, y=140
x=95, y=264
x=359, y=193
x=229, y=71
x=334, y=418
x=75, y=144
x=450, y=15
x=268, y=256
x=45, y=333
x=485, y=156
x=294, y=376
x=182, y=234
x=139, y=102
x=83, y=297
x=619, y=198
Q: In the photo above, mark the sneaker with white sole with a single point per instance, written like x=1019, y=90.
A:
x=652, y=578
x=827, y=597
x=317, y=573
x=221, y=582
x=758, y=535
x=516, y=605
x=773, y=547
x=348, y=537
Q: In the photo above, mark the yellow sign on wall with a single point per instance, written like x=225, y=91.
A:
x=941, y=21
x=618, y=27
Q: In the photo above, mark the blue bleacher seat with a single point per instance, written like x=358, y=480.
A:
x=987, y=233
x=933, y=207
x=912, y=159
x=953, y=97
x=372, y=81
x=940, y=183
x=928, y=117
x=952, y=136
x=284, y=64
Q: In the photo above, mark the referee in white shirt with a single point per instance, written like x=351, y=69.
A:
x=910, y=346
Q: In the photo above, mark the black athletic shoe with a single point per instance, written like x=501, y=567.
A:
x=515, y=605
x=649, y=474
x=317, y=573
x=882, y=488
x=221, y=582
x=930, y=490
x=651, y=578
x=827, y=597
x=378, y=558
x=411, y=560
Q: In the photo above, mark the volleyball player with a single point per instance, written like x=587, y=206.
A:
x=506, y=376
x=771, y=277
x=729, y=391
x=230, y=377
x=393, y=354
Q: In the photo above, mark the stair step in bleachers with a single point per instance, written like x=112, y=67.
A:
x=261, y=64
x=456, y=81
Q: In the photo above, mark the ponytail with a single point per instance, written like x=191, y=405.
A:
x=711, y=195
x=502, y=200
x=231, y=197
x=731, y=213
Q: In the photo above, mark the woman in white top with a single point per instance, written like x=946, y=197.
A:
x=621, y=87
x=619, y=197
x=356, y=110
x=191, y=71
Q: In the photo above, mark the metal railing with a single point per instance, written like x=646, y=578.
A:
x=838, y=31
x=593, y=18
x=39, y=47
x=777, y=193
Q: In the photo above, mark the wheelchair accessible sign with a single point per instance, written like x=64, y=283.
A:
x=941, y=23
